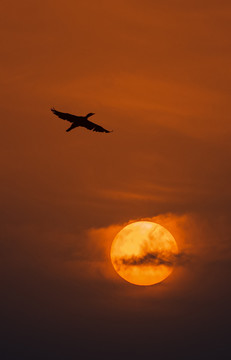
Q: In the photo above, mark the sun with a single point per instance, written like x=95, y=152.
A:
x=144, y=253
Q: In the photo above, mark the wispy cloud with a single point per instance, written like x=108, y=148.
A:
x=155, y=259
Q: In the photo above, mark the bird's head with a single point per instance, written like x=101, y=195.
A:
x=90, y=114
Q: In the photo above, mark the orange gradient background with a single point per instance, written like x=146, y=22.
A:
x=158, y=74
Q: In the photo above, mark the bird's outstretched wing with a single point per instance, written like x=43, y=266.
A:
x=65, y=116
x=92, y=126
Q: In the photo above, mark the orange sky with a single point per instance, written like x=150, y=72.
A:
x=158, y=74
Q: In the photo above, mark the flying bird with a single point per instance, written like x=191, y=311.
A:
x=79, y=121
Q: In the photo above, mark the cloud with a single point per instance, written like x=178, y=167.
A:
x=99, y=240
x=202, y=242
x=155, y=259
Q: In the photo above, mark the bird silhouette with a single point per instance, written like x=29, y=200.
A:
x=79, y=121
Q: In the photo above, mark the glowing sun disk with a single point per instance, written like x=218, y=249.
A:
x=143, y=253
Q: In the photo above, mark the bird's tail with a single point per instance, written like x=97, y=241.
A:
x=69, y=129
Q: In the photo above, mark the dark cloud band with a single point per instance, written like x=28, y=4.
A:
x=154, y=258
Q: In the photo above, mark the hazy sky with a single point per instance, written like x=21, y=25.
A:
x=157, y=73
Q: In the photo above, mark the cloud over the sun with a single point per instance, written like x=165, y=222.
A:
x=155, y=259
